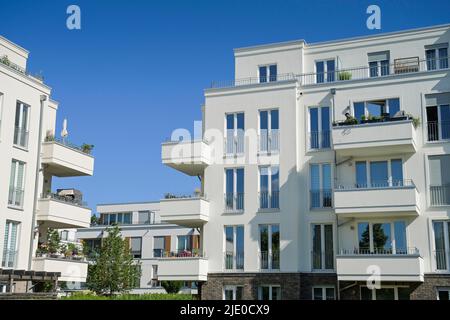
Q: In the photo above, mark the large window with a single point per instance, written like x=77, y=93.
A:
x=235, y=133
x=325, y=71
x=437, y=56
x=378, y=63
x=161, y=246
x=234, y=247
x=136, y=247
x=10, y=246
x=385, y=293
x=320, y=185
x=116, y=218
x=439, y=180
x=269, y=247
x=92, y=246
x=188, y=245
x=379, y=174
x=16, y=184
x=324, y=293
x=438, y=116
x=441, y=244
x=269, y=292
x=146, y=217
x=269, y=140
x=382, y=238
x=269, y=187
x=21, y=124
x=322, y=247
x=375, y=109
x=234, y=189
x=233, y=292
x=267, y=73
x=319, y=128
x=154, y=276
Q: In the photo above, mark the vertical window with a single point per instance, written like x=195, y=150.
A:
x=146, y=217
x=269, y=293
x=154, y=276
x=269, y=246
x=319, y=128
x=322, y=247
x=136, y=247
x=184, y=244
x=379, y=173
x=159, y=246
x=269, y=131
x=267, y=73
x=324, y=293
x=441, y=244
x=378, y=64
x=361, y=174
x=438, y=116
x=443, y=294
x=235, y=127
x=64, y=235
x=439, y=180
x=234, y=189
x=16, y=184
x=269, y=185
x=320, y=185
x=437, y=56
x=233, y=292
x=325, y=71
x=21, y=124
x=234, y=247
x=10, y=247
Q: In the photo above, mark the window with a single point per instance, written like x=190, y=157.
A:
x=267, y=72
x=16, y=184
x=146, y=217
x=234, y=247
x=92, y=246
x=269, y=246
x=136, y=247
x=323, y=293
x=1, y=112
x=136, y=282
x=379, y=174
x=233, y=292
x=438, y=116
x=443, y=293
x=64, y=235
x=319, y=128
x=382, y=238
x=10, y=247
x=116, y=218
x=21, y=124
x=437, y=56
x=439, y=180
x=161, y=246
x=269, y=293
x=441, y=244
x=269, y=140
x=378, y=63
x=366, y=111
x=320, y=185
x=385, y=293
x=235, y=133
x=322, y=247
x=269, y=187
x=325, y=71
x=234, y=190
x=154, y=276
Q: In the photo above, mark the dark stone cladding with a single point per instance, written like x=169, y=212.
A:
x=427, y=290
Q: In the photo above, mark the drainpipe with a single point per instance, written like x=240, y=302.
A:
x=36, y=182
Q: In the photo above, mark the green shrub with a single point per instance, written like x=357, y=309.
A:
x=345, y=75
x=172, y=286
x=147, y=296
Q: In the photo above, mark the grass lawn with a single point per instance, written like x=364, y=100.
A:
x=153, y=296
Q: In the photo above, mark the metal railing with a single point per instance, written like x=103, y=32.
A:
x=15, y=197
x=269, y=260
x=181, y=253
x=269, y=200
x=322, y=198
x=234, y=261
x=441, y=259
x=234, y=144
x=380, y=251
x=400, y=66
x=323, y=260
x=9, y=258
x=269, y=141
x=390, y=183
x=234, y=201
x=320, y=140
x=7, y=63
x=66, y=199
x=21, y=137
x=438, y=130
x=440, y=195
x=67, y=143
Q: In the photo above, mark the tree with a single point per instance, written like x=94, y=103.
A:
x=113, y=270
x=172, y=286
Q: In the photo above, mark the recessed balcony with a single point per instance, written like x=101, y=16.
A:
x=382, y=199
x=185, y=266
x=70, y=269
x=62, y=159
x=190, y=157
x=185, y=211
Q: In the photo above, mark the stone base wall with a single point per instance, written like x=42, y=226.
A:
x=428, y=289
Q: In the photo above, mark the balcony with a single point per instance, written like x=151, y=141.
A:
x=183, y=266
x=438, y=131
x=60, y=212
x=440, y=195
x=190, y=157
x=63, y=159
x=399, y=197
x=391, y=136
x=189, y=212
x=71, y=269
x=356, y=265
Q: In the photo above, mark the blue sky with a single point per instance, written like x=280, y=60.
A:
x=137, y=69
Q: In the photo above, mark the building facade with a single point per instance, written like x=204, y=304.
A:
x=151, y=241
x=31, y=155
x=322, y=172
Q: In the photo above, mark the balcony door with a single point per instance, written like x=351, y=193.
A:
x=438, y=116
x=382, y=238
x=439, y=180
x=10, y=245
x=379, y=174
x=269, y=131
x=234, y=189
x=322, y=247
x=441, y=245
x=234, y=133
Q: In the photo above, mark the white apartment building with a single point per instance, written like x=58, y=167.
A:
x=30, y=156
x=151, y=241
x=323, y=167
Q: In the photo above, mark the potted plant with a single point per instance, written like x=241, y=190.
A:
x=87, y=148
x=351, y=121
x=344, y=75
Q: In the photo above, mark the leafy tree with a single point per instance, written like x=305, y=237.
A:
x=53, y=241
x=172, y=286
x=113, y=270
x=94, y=220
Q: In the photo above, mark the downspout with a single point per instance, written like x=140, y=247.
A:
x=36, y=182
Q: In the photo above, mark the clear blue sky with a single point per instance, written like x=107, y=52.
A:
x=137, y=69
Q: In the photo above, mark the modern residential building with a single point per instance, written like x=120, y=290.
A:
x=323, y=172
x=151, y=241
x=30, y=156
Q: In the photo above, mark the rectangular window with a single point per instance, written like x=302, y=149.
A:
x=378, y=64
x=136, y=247
x=325, y=71
x=146, y=217
x=441, y=244
x=322, y=247
x=319, y=128
x=234, y=247
x=154, y=277
x=385, y=293
x=269, y=131
x=376, y=110
x=269, y=247
x=234, y=190
x=443, y=294
x=16, y=184
x=324, y=293
x=320, y=185
x=437, y=56
x=10, y=242
x=21, y=124
x=379, y=174
x=269, y=187
x=382, y=238
x=235, y=133
x=64, y=235
x=439, y=180
x=159, y=246
x=233, y=292
x=267, y=73
x=269, y=293
x=438, y=116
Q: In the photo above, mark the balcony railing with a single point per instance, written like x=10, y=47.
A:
x=15, y=197
x=234, y=201
x=65, y=199
x=379, y=251
x=181, y=253
x=269, y=200
x=87, y=149
x=234, y=144
x=319, y=140
x=440, y=195
x=269, y=260
x=390, y=183
x=323, y=260
x=234, y=261
x=321, y=198
x=438, y=130
x=441, y=259
x=9, y=259
x=61, y=256
x=252, y=81
x=269, y=142
x=21, y=137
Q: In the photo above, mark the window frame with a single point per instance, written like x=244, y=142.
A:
x=271, y=288
x=270, y=258
x=269, y=75
x=235, y=247
x=325, y=70
x=320, y=130
x=12, y=202
x=322, y=246
x=234, y=290
x=393, y=240
x=324, y=294
x=271, y=132
x=321, y=183
x=22, y=107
